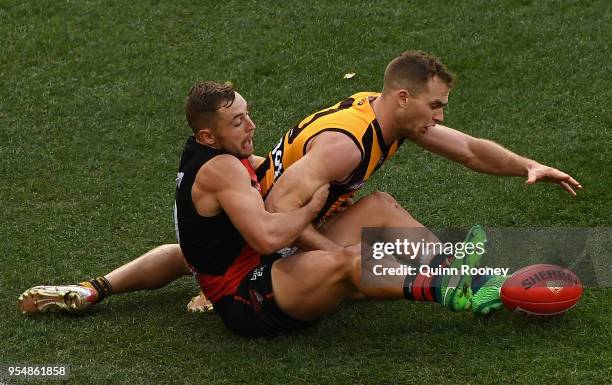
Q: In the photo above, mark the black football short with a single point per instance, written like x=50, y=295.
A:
x=252, y=310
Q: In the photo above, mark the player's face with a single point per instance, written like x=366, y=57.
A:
x=418, y=113
x=234, y=130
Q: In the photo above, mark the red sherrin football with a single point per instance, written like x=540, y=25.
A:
x=541, y=290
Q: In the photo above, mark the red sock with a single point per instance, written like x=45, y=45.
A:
x=421, y=287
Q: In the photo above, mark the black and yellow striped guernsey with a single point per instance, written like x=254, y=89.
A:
x=353, y=117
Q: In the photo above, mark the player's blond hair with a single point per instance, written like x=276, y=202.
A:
x=412, y=70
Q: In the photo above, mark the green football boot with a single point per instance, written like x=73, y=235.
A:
x=455, y=290
x=486, y=300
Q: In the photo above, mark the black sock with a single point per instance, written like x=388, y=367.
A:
x=100, y=285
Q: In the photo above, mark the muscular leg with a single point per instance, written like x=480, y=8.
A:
x=311, y=284
x=381, y=210
x=152, y=270
x=308, y=285
x=378, y=209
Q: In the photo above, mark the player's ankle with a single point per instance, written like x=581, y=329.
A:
x=100, y=286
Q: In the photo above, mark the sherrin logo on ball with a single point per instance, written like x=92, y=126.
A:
x=555, y=286
x=542, y=290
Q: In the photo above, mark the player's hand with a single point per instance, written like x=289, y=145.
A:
x=540, y=172
x=319, y=198
x=199, y=304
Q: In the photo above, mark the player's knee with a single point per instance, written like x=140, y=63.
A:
x=173, y=250
x=383, y=202
x=168, y=256
x=384, y=199
x=167, y=248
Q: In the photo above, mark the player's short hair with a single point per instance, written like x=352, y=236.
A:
x=203, y=102
x=412, y=70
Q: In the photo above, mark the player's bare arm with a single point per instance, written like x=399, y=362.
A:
x=224, y=184
x=331, y=157
x=489, y=157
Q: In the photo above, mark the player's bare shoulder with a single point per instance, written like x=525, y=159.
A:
x=220, y=171
x=223, y=172
x=337, y=151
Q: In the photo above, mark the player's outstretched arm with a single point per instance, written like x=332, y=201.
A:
x=489, y=157
x=224, y=184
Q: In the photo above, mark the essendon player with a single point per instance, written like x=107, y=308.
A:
x=222, y=225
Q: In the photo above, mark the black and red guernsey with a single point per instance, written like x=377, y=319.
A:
x=216, y=251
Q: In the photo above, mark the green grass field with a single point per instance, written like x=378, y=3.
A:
x=92, y=125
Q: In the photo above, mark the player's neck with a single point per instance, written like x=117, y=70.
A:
x=385, y=117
